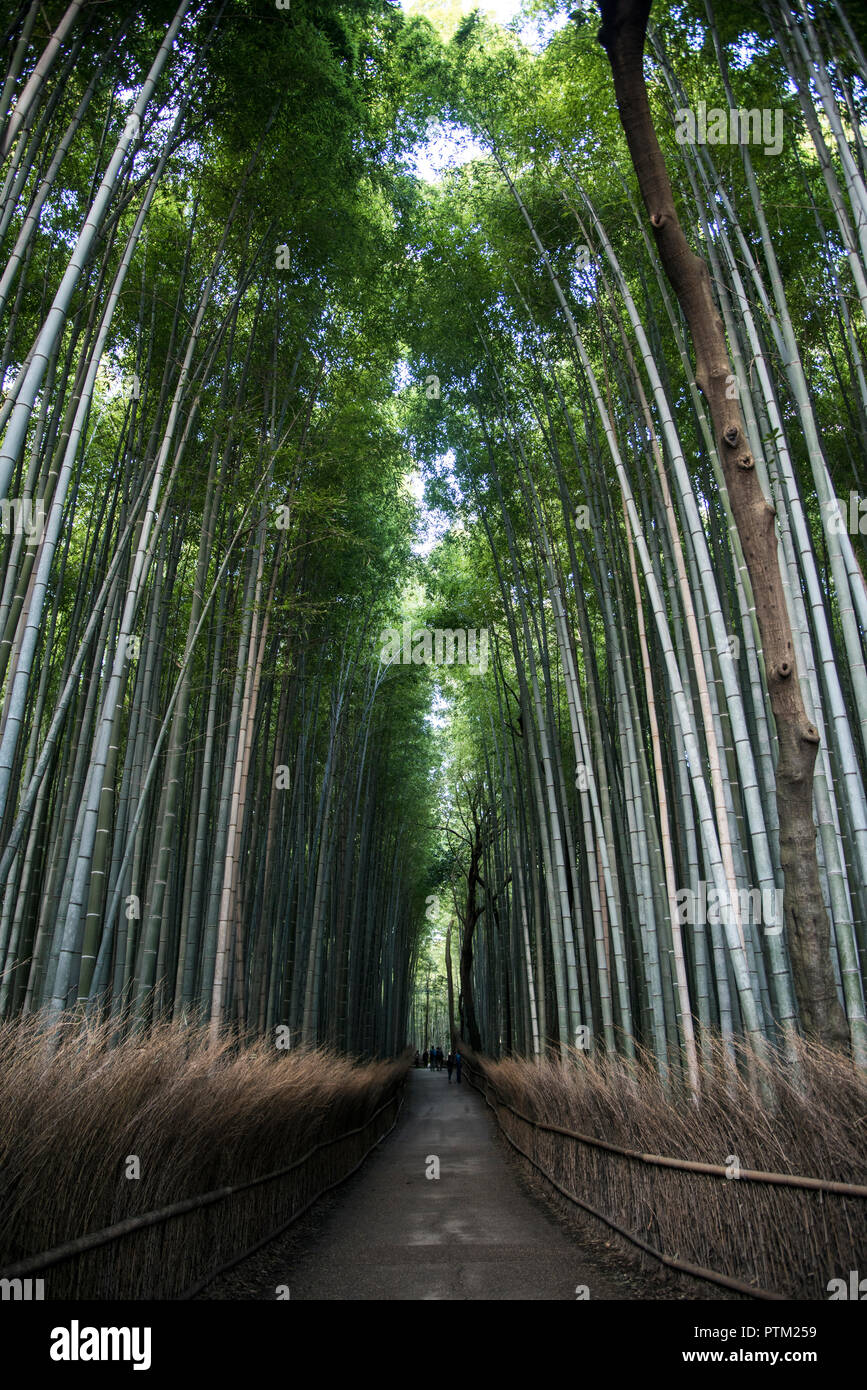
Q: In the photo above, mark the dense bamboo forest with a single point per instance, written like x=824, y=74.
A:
x=433, y=608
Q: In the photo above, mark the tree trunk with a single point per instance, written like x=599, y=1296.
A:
x=622, y=35
x=451, y=987
x=473, y=912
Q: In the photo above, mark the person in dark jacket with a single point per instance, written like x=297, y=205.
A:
x=439, y=1059
x=424, y=1058
x=417, y=1061
x=450, y=1065
x=458, y=1063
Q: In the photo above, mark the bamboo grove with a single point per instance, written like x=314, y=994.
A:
x=615, y=814
x=235, y=320
x=211, y=796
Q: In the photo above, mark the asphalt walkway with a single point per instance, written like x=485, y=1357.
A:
x=471, y=1233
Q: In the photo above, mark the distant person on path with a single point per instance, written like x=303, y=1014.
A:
x=417, y=1058
x=439, y=1059
x=424, y=1058
x=450, y=1065
x=433, y=1059
x=458, y=1063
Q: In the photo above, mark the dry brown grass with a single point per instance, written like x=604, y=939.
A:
x=197, y=1119
x=812, y=1122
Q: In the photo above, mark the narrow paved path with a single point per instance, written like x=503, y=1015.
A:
x=470, y=1234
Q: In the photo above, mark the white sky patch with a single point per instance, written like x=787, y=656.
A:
x=539, y=32
x=402, y=377
x=415, y=484
x=440, y=711
x=447, y=146
x=434, y=524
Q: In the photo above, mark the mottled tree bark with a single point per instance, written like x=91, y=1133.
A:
x=472, y=914
x=622, y=35
x=451, y=988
